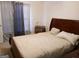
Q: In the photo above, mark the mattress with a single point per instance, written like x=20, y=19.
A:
x=42, y=45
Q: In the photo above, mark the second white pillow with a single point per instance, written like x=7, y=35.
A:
x=68, y=36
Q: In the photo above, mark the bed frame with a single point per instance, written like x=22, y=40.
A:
x=68, y=25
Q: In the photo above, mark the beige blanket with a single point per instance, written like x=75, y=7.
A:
x=38, y=45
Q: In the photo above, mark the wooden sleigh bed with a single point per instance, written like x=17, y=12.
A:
x=67, y=25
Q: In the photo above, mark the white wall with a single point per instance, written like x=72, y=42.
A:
x=43, y=12
x=60, y=9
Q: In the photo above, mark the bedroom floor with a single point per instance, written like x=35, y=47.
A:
x=5, y=50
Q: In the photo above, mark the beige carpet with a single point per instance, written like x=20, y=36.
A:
x=5, y=50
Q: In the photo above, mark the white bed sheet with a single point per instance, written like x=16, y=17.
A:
x=37, y=45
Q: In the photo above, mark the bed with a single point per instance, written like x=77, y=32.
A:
x=45, y=44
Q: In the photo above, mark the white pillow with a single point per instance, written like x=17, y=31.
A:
x=55, y=30
x=69, y=36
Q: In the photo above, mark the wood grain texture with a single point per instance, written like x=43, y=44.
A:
x=68, y=25
x=14, y=50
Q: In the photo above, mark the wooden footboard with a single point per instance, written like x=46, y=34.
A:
x=14, y=49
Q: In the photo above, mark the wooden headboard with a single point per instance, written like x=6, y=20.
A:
x=67, y=25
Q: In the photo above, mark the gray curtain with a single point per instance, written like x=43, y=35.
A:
x=18, y=19
x=15, y=18
x=7, y=17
